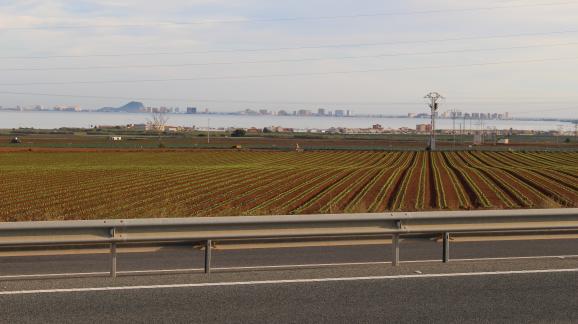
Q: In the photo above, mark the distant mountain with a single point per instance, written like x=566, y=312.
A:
x=131, y=107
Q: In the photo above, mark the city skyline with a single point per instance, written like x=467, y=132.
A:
x=319, y=112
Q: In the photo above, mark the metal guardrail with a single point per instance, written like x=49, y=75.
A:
x=113, y=232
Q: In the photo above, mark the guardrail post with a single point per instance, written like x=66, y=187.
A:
x=208, y=256
x=446, y=247
x=113, y=260
x=113, y=254
x=395, y=246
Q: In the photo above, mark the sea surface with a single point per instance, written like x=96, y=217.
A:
x=56, y=119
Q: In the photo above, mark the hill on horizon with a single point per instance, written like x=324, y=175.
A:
x=131, y=107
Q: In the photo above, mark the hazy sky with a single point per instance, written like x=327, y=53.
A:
x=371, y=56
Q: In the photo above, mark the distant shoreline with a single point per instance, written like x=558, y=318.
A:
x=208, y=114
x=224, y=121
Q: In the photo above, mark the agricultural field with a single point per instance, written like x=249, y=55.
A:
x=281, y=142
x=104, y=184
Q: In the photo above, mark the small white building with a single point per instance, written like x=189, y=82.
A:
x=504, y=141
x=478, y=139
x=115, y=138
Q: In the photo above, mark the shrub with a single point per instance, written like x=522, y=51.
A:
x=238, y=133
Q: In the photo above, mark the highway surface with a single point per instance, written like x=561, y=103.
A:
x=370, y=290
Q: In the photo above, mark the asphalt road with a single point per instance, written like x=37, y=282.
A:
x=509, y=289
x=507, y=298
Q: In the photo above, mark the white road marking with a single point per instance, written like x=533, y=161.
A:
x=286, y=266
x=48, y=275
x=389, y=262
x=517, y=258
x=290, y=281
x=320, y=265
x=83, y=251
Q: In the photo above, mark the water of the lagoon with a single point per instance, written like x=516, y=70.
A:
x=53, y=119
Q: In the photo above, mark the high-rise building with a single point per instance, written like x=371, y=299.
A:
x=339, y=113
x=191, y=110
x=321, y=112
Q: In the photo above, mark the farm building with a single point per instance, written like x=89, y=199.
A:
x=253, y=130
x=478, y=139
x=423, y=128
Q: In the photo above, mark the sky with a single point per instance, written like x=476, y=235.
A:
x=371, y=56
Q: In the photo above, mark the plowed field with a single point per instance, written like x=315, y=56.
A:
x=96, y=185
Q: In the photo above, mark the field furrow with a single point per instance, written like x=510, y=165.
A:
x=97, y=185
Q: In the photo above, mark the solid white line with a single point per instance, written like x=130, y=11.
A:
x=521, y=258
x=71, y=274
x=290, y=281
x=499, y=258
x=162, y=271
x=286, y=266
x=305, y=265
x=389, y=262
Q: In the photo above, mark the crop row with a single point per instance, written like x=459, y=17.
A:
x=41, y=186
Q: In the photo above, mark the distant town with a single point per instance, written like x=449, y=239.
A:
x=138, y=107
x=423, y=125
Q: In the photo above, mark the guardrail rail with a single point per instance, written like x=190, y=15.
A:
x=207, y=230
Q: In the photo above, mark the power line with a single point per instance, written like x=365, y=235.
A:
x=281, y=75
x=274, y=49
x=548, y=110
x=210, y=100
x=295, y=19
x=116, y=67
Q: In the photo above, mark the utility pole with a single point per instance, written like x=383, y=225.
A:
x=461, y=134
x=482, y=131
x=464, y=131
x=454, y=116
x=494, y=135
x=433, y=97
x=208, y=130
x=560, y=131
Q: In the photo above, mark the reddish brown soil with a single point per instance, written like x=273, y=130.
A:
x=450, y=194
x=102, y=184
